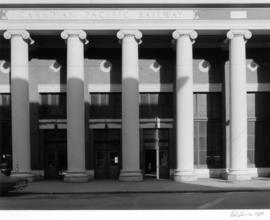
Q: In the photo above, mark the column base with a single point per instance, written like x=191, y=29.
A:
x=238, y=175
x=184, y=176
x=27, y=175
x=76, y=177
x=130, y=176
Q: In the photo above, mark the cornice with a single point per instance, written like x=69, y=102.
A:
x=132, y=2
x=145, y=26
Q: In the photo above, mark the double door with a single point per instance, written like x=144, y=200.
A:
x=55, y=153
x=107, y=147
x=55, y=159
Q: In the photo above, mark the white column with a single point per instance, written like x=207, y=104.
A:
x=238, y=105
x=21, y=150
x=75, y=106
x=184, y=105
x=130, y=106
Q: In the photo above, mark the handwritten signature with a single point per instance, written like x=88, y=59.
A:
x=239, y=214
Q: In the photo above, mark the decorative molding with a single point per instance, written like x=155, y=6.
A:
x=134, y=2
x=149, y=87
x=117, y=123
x=103, y=123
x=104, y=88
x=143, y=87
x=22, y=33
x=245, y=33
x=213, y=87
x=98, y=14
x=179, y=33
x=9, y=33
x=77, y=33
x=108, y=27
x=133, y=33
x=258, y=87
x=52, y=88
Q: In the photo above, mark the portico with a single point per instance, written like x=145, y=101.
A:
x=131, y=26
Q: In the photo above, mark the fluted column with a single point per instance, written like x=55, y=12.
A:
x=75, y=106
x=21, y=150
x=238, y=105
x=184, y=105
x=130, y=106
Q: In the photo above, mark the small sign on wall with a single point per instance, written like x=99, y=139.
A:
x=238, y=14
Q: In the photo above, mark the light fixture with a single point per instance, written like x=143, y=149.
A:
x=253, y=66
x=204, y=66
x=55, y=67
x=106, y=66
x=5, y=67
x=155, y=66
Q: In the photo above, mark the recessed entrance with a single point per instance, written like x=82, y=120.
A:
x=107, y=147
x=150, y=163
x=55, y=154
x=152, y=153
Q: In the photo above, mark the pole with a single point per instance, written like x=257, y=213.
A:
x=157, y=146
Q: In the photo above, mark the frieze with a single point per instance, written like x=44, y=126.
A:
x=97, y=14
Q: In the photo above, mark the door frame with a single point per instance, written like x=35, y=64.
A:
x=106, y=151
x=56, y=140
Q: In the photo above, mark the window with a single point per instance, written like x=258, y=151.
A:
x=156, y=105
x=105, y=105
x=5, y=106
x=258, y=129
x=208, y=130
x=52, y=106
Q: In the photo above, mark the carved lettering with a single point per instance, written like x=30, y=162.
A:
x=96, y=14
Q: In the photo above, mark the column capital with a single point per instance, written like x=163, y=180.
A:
x=8, y=34
x=78, y=33
x=244, y=33
x=134, y=33
x=191, y=33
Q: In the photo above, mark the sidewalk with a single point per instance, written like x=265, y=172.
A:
x=146, y=186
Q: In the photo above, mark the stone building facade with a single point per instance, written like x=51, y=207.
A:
x=131, y=89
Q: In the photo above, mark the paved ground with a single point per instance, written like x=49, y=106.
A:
x=162, y=186
x=148, y=194
x=138, y=201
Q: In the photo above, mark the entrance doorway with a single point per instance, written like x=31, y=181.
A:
x=150, y=153
x=107, y=147
x=55, y=154
x=150, y=163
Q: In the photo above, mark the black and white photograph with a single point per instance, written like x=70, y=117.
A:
x=155, y=107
